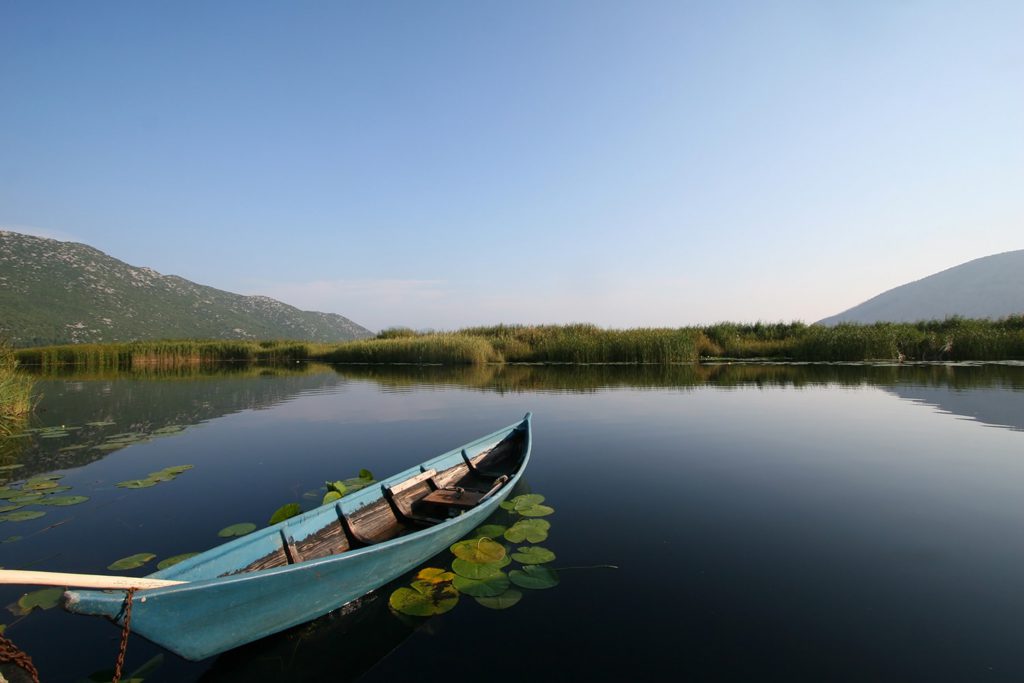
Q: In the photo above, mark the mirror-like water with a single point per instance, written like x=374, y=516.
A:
x=769, y=522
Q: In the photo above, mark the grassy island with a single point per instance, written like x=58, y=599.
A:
x=952, y=339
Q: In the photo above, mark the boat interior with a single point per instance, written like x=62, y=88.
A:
x=414, y=502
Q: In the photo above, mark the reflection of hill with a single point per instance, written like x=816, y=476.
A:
x=998, y=408
x=590, y=378
x=143, y=405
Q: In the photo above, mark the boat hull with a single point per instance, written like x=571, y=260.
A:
x=206, y=616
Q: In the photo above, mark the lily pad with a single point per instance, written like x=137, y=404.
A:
x=533, y=554
x=21, y=515
x=160, y=476
x=47, y=598
x=536, y=511
x=532, y=530
x=436, y=599
x=58, y=489
x=366, y=474
x=11, y=539
x=489, y=586
x=99, y=424
x=169, y=429
x=534, y=577
x=54, y=435
x=177, y=469
x=63, y=500
x=39, y=485
x=489, y=531
x=25, y=498
x=526, y=500
x=479, y=550
x=240, y=529
x=284, y=512
x=434, y=575
x=9, y=493
x=507, y=599
x=5, y=468
x=131, y=562
x=10, y=508
x=136, y=484
x=330, y=497
x=171, y=561
x=476, y=570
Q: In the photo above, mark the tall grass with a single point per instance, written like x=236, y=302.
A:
x=944, y=340
x=15, y=388
x=436, y=348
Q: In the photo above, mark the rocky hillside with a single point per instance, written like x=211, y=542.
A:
x=63, y=292
x=989, y=287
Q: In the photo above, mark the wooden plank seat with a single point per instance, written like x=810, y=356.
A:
x=405, y=495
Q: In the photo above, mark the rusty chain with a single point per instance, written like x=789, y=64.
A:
x=124, y=634
x=9, y=652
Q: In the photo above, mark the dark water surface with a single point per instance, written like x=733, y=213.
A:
x=769, y=522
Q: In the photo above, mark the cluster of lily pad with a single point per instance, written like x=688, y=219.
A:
x=42, y=490
x=154, y=478
x=478, y=567
x=335, y=490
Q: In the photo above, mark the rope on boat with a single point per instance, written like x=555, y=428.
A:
x=124, y=634
x=9, y=652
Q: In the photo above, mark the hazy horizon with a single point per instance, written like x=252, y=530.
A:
x=447, y=165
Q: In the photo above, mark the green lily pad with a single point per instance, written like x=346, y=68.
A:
x=330, y=497
x=480, y=550
x=532, y=530
x=435, y=599
x=99, y=424
x=489, y=586
x=536, y=511
x=160, y=476
x=54, y=435
x=10, y=508
x=489, y=531
x=47, y=598
x=21, y=515
x=63, y=500
x=533, y=554
x=5, y=468
x=177, y=469
x=9, y=493
x=240, y=529
x=131, y=562
x=476, y=570
x=25, y=498
x=434, y=575
x=526, y=500
x=507, y=599
x=46, y=477
x=39, y=485
x=136, y=484
x=75, y=447
x=336, y=487
x=284, y=512
x=534, y=577
x=366, y=474
x=108, y=446
x=171, y=561
x=11, y=539
x=58, y=489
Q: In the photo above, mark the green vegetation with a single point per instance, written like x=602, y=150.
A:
x=952, y=339
x=15, y=390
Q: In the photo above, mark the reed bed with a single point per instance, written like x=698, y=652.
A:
x=453, y=349
x=164, y=354
x=15, y=389
x=952, y=339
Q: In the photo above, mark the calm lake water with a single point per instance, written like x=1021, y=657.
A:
x=768, y=522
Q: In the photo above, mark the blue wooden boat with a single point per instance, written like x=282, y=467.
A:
x=306, y=566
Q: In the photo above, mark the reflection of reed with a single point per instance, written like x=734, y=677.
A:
x=163, y=371
x=589, y=378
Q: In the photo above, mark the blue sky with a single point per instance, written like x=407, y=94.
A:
x=454, y=163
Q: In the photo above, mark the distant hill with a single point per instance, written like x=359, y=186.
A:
x=988, y=287
x=55, y=292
